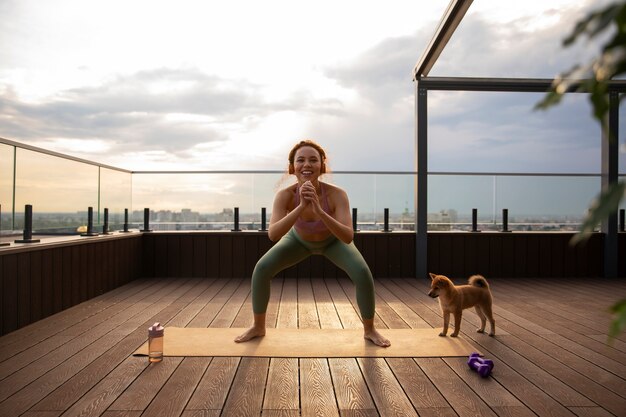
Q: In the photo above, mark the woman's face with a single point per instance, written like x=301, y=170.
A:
x=307, y=164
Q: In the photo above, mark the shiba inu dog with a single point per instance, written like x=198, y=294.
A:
x=453, y=299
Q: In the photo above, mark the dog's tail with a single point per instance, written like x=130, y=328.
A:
x=478, y=281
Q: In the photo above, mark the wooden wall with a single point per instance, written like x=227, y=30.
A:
x=519, y=254
x=456, y=254
x=234, y=254
x=40, y=280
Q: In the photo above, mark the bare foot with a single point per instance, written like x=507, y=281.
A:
x=376, y=338
x=251, y=333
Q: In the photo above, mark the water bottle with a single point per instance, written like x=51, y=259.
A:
x=155, y=342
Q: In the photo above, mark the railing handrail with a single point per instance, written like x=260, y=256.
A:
x=60, y=155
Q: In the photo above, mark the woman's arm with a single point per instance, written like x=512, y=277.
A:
x=282, y=219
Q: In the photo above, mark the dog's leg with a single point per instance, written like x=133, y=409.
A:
x=446, y=322
x=489, y=313
x=483, y=319
x=457, y=322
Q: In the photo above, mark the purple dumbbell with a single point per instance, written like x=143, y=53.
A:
x=480, y=365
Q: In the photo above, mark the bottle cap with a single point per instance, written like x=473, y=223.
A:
x=156, y=330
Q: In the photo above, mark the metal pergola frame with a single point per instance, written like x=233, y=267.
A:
x=423, y=83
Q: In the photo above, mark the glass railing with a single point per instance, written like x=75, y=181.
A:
x=61, y=188
x=539, y=202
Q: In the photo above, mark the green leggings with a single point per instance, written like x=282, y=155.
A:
x=292, y=249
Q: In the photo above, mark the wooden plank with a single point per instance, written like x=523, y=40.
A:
x=213, y=257
x=317, y=395
x=57, y=280
x=148, y=250
x=160, y=256
x=186, y=256
x=386, y=391
x=350, y=388
x=532, y=257
x=495, y=255
x=433, y=261
x=75, y=296
x=557, y=244
x=408, y=255
x=9, y=294
x=239, y=256
x=288, y=310
x=66, y=277
x=307, y=312
x=445, y=255
x=251, y=253
x=213, y=389
x=394, y=255
x=470, y=264
x=81, y=272
x=246, y=395
x=23, y=289
x=418, y=387
x=199, y=257
x=226, y=257
x=457, y=266
x=173, y=256
x=381, y=264
x=483, y=254
x=508, y=255
x=175, y=394
x=36, y=292
x=520, y=251
x=282, y=390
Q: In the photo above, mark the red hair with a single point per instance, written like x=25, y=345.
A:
x=302, y=144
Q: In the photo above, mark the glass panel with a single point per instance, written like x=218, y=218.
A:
x=6, y=187
x=116, y=195
x=500, y=132
x=59, y=190
x=370, y=194
x=203, y=201
x=533, y=202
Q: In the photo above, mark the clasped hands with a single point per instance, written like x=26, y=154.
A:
x=308, y=195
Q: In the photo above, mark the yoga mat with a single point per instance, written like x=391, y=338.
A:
x=309, y=343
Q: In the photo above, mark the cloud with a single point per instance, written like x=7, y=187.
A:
x=162, y=109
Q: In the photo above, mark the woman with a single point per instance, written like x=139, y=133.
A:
x=311, y=217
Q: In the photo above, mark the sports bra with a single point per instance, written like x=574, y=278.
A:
x=312, y=226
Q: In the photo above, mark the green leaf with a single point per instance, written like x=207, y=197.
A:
x=594, y=23
x=605, y=204
x=619, y=321
x=551, y=98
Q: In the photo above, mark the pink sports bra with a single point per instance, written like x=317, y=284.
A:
x=312, y=226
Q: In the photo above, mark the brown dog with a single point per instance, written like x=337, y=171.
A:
x=454, y=298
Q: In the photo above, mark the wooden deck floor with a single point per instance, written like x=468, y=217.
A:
x=551, y=356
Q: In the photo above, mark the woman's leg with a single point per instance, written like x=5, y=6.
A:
x=349, y=259
x=287, y=252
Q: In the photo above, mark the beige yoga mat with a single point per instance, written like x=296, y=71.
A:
x=309, y=343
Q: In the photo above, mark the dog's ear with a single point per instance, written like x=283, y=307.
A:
x=432, y=276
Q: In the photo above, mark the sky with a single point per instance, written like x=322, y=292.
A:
x=197, y=85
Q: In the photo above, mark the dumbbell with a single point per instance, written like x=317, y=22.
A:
x=480, y=365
